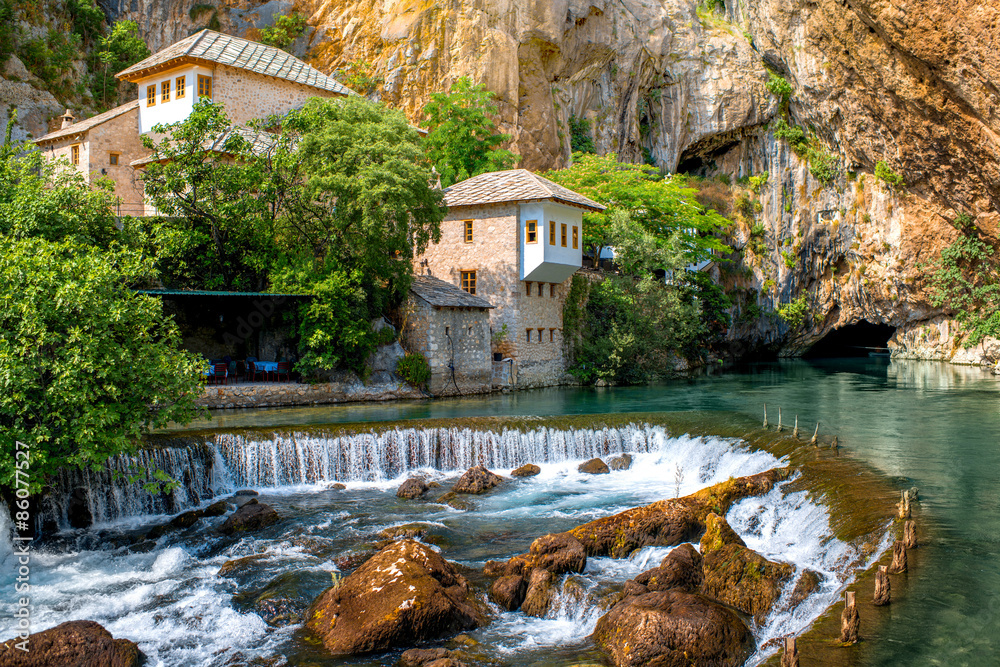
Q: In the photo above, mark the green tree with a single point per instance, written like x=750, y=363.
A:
x=462, y=139
x=580, y=138
x=123, y=48
x=220, y=191
x=286, y=29
x=663, y=206
x=87, y=19
x=86, y=365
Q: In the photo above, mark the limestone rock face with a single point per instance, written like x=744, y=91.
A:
x=403, y=595
x=668, y=628
x=74, y=643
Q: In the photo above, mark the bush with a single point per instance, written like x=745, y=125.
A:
x=794, y=135
x=778, y=86
x=887, y=175
x=286, y=29
x=794, y=313
x=414, y=369
x=8, y=30
x=580, y=138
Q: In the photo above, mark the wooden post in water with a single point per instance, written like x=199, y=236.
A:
x=904, y=505
x=882, y=586
x=795, y=431
x=898, y=558
x=850, y=621
x=779, y=420
x=765, y=415
x=790, y=658
x=836, y=443
x=910, y=534
x=815, y=438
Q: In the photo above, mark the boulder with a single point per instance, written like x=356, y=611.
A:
x=82, y=643
x=806, y=585
x=408, y=531
x=245, y=492
x=739, y=576
x=668, y=628
x=337, y=486
x=412, y=488
x=217, y=508
x=669, y=522
x=452, y=500
x=623, y=462
x=680, y=569
x=187, y=519
x=527, y=470
x=476, y=479
x=508, y=591
x=403, y=595
x=594, y=467
x=416, y=657
x=558, y=553
x=541, y=590
x=251, y=516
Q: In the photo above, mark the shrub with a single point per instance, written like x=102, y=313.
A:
x=794, y=135
x=286, y=29
x=789, y=259
x=884, y=173
x=580, y=138
x=414, y=369
x=794, y=313
x=757, y=182
x=778, y=86
x=822, y=164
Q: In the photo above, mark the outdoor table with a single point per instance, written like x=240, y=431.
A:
x=267, y=366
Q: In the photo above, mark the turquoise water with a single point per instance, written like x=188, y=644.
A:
x=933, y=425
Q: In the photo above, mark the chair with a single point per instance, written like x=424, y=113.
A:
x=241, y=370
x=252, y=370
x=285, y=368
x=220, y=371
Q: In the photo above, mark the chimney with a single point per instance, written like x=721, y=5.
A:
x=67, y=119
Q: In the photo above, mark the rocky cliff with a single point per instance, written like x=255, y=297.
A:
x=912, y=83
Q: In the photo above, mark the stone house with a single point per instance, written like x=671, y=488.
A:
x=451, y=327
x=251, y=80
x=515, y=239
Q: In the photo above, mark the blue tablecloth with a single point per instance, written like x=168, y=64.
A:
x=268, y=366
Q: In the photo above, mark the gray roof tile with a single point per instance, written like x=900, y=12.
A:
x=514, y=185
x=439, y=293
x=240, y=53
x=93, y=121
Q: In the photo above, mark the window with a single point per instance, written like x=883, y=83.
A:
x=469, y=281
x=552, y=290
x=468, y=231
x=181, y=86
x=552, y=335
x=204, y=86
x=540, y=335
x=552, y=233
x=564, y=235
x=527, y=289
x=150, y=96
x=165, y=92
x=531, y=231
x=540, y=286
x=576, y=237
x=527, y=333
x=74, y=154
x=113, y=159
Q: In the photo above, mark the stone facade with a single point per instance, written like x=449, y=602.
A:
x=494, y=254
x=346, y=388
x=456, y=342
x=248, y=95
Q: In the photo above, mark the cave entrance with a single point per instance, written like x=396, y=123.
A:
x=861, y=339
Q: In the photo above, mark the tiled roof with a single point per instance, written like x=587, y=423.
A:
x=93, y=121
x=515, y=185
x=211, y=46
x=439, y=293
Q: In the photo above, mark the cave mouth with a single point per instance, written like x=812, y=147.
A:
x=861, y=339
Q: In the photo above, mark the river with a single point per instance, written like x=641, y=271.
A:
x=931, y=425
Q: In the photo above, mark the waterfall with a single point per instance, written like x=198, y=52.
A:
x=227, y=461
x=6, y=533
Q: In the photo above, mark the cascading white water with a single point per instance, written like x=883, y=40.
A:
x=6, y=533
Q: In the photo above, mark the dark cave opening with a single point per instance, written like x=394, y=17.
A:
x=861, y=339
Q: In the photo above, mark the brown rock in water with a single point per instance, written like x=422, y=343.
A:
x=412, y=488
x=416, y=657
x=527, y=470
x=187, y=519
x=850, y=621
x=790, y=656
x=558, y=553
x=669, y=522
x=477, y=480
x=452, y=500
x=668, y=628
x=681, y=569
x=508, y=591
x=218, y=508
x=910, y=534
x=806, y=585
x=882, y=586
x=898, y=558
x=407, y=531
x=737, y=575
x=623, y=462
x=251, y=516
x=594, y=467
x=72, y=644
x=403, y=595
x=541, y=590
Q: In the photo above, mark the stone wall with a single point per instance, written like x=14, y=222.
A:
x=345, y=388
x=494, y=255
x=247, y=95
x=451, y=336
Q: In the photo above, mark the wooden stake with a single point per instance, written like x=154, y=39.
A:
x=795, y=431
x=790, y=658
x=779, y=420
x=904, y=505
x=910, y=534
x=836, y=443
x=765, y=415
x=898, y=558
x=882, y=586
x=815, y=438
x=850, y=621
